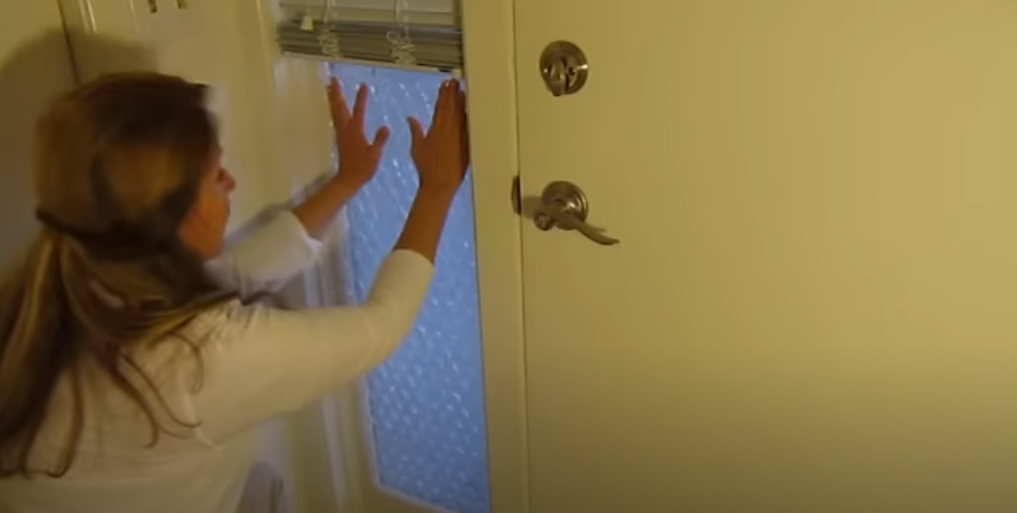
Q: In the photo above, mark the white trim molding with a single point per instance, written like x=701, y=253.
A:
x=491, y=77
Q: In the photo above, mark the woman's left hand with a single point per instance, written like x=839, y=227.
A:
x=358, y=157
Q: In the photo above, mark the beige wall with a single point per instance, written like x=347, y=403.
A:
x=227, y=44
x=34, y=66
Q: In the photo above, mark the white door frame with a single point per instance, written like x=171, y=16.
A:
x=489, y=33
x=491, y=73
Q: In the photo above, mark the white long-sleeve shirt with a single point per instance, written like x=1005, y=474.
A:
x=256, y=363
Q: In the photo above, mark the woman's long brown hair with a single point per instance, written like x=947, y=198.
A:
x=117, y=165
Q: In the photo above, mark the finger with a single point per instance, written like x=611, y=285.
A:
x=461, y=108
x=439, y=106
x=416, y=130
x=455, y=89
x=464, y=129
x=360, y=107
x=465, y=136
x=337, y=101
x=377, y=148
x=458, y=114
x=454, y=106
x=381, y=139
x=451, y=104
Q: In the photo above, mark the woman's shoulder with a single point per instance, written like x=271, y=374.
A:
x=208, y=337
x=221, y=320
x=231, y=322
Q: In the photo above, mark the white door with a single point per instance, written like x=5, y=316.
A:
x=812, y=306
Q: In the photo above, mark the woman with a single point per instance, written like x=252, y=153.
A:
x=130, y=374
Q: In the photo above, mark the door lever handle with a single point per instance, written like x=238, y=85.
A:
x=557, y=215
x=564, y=205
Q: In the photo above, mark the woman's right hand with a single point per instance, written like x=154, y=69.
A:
x=442, y=153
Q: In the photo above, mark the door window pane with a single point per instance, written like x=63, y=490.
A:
x=426, y=404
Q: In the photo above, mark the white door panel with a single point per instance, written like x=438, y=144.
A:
x=810, y=309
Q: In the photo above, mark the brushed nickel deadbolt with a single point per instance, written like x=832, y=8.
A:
x=564, y=68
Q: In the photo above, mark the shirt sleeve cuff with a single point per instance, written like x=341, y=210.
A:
x=404, y=274
x=288, y=221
